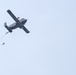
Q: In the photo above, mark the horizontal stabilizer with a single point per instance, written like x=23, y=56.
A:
x=7, y=27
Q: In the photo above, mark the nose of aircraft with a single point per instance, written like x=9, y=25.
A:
x=24, y=21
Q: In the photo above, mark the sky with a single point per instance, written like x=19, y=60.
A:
x=49, y=48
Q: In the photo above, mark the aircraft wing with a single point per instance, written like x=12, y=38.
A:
x=13, y=16
x=25, y=29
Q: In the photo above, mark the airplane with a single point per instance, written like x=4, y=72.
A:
x=18, y=23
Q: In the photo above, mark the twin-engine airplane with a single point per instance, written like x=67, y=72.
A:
x=18, y=23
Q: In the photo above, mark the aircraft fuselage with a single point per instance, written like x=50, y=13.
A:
x=16, y=25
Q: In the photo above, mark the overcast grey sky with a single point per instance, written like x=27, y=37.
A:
x=49, y=48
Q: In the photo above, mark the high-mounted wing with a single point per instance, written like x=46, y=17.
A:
x=13, y=16
x=25, y=29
